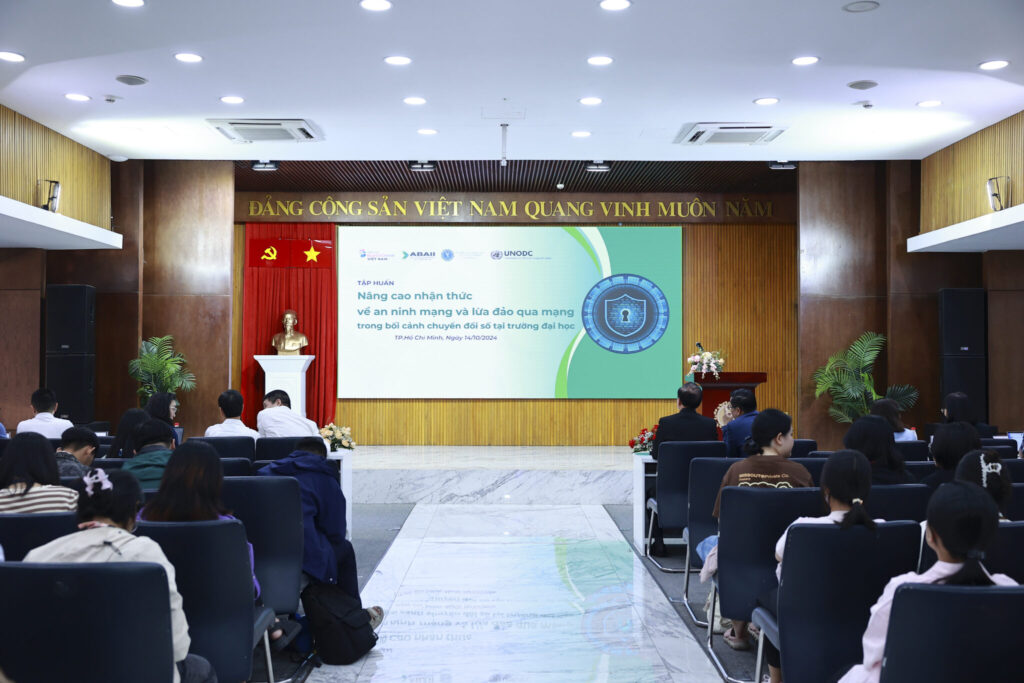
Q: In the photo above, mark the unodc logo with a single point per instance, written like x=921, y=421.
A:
x=447, y=254
x=496, y=255
x=625, y=313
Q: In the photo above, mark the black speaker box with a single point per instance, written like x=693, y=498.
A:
x=962, y=322
x=73, y=379
x=70, y=319
x=968, y=374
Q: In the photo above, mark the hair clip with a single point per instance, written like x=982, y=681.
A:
x=857, y=501
x=989, y=468
x=97, y=477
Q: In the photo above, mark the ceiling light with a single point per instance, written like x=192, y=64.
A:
x=862, y=85
x=929, y=103
x=422, y=166
x=984, y=66
x=590, y=101
x=615, y=5
x=860, y=6
x=598, y=167
x=581, y=133
x=129, y=79
x=232, y=99
x=805, y=61
x=118, y=158
x=427, y=131
x=781, y=165
x=129, y=3
x=76, y=97
x=414, y=100
x=15, y=57
x=375, y=5
x=765, y=101
x=188, y=57
x=264, y=165
x=397, y=60
x=599, y=61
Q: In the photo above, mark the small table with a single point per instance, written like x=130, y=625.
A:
x=345, y=476
x=642, y=462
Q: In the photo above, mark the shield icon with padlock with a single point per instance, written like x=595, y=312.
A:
x=625, y=315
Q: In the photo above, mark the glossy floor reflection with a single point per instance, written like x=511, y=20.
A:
x=520, y=593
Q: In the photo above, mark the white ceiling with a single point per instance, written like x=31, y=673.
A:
x=676, y=61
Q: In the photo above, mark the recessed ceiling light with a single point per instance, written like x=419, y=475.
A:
x=599, y=61
x=397, y=60
x=422, y=166
x=415, y=100
x=118, y=158
x=615, y=5
x=590, y=101
x=375, y=5
x=765, y=101
x=598, y=167
x=129, y=3
x=929, y=103
x=188, y=57
x=232, y=99
x=581, y=133
x=862, y=85
x=805, y=61
x=264, y=165
x=76, y=97
x=860, y=6
x=984, y=66
x=12, y=57
x=427, y=131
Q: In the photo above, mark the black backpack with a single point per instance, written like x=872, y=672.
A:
x=341, y=627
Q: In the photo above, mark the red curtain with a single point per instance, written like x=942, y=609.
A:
x=313, y=294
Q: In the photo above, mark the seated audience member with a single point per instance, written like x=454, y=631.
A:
x=769, y=446
x=107, y=512
x=78, y=447
x=845, y=485
x=327, y=556
x=3, y=432
x=957, y=407
x=872, y=436
x=950, y=443
x=278, y=419
x=986, y=469
x=163, y=406
x=123, y=445
x=154, y=440
x=230, y=403
x=29, y=480
x=962, y=520
x=743, y=406
x=687, y=424
x=44, y=405
x=889, y=410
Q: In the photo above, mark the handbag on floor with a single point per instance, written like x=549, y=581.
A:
x=341, y=627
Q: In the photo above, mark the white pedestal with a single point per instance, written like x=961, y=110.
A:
x=640, y=462
x=287, y=373
x=345, y=456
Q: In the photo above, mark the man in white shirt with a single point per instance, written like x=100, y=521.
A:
x=44, y=405
x=230, y=403
x=278, y=419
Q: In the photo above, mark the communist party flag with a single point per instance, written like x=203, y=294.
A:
x=289, y=253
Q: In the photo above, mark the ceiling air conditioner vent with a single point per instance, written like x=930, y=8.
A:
x=728, y=133
x=267, y=130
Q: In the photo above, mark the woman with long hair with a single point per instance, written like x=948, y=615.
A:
x=872, y=436
x=163, y=406
x=123, y=445
x=889, y=410
x=29, y=478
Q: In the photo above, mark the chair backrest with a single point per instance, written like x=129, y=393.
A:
x=971, y=617
x=919, y=469
x=109, y=463
x=750, y=523
x=845, y=569
x=102, y=451
x=55, y=443
x=277, y=447
x=899, y=501
x=1004, y=555
x=819, y=454
x=814, y=465
x=1015, y=510
x=230, y=446
x=21, y=533
x=705, y=479
x=913, y=450
x=271, y=510
x=673, y=478
x=1016, y=467
x=3, y=446
x=1004, y=452
x=1004, y=443
x=75, y=483
x=211, y=566
x=803, y=447
x=236, y=467
x=58, y=615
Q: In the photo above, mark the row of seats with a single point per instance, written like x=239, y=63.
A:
x=268, y=448
x=212, y=574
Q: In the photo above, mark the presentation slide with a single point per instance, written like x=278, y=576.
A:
x=509, y=312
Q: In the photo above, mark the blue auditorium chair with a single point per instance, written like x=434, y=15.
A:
x=913, y=450
x=236, y=467
x=20, y=533
x=898, y=501
x=814, y=465
x=802, y=448
x=1005, y=554
x=231, y=446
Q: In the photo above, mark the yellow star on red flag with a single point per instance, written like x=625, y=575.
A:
x=311, y=254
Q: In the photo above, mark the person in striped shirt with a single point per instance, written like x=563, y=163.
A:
x=29, y=481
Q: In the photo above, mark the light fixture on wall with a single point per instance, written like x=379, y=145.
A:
x=264, y=165
x=998, y=190
x=49, y=194
x=422, y=166
x=782, y=165
x=598, y=166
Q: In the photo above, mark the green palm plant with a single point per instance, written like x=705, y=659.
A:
x=846, y=377
x=159, y=368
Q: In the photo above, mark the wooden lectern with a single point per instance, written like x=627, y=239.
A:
x=718, y=390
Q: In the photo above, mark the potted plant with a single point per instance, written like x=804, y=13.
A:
x=846, y=377
x=159, y=368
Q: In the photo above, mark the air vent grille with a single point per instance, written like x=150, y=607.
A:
x=266, y=130
x=728, y=133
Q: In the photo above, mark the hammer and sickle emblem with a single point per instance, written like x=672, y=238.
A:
x=269, y=254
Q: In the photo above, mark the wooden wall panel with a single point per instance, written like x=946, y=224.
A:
x=30, y=151
x=953, y=179
x=1004, y=280
x=21, y=301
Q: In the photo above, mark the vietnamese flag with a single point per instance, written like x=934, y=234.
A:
x=312, y=253
x=269, y=253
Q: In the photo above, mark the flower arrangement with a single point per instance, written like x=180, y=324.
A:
x=338, y=437
x=643, y=441
x=705, y=362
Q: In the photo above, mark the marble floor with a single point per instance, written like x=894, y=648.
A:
x=520, y=593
